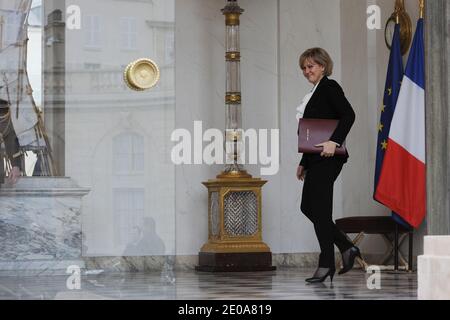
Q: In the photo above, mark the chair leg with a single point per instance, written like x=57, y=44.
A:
x=364, y=265
x=389, y=251
x=402, y=259
x=396, y=248
x=410, y=253
x=358, y=238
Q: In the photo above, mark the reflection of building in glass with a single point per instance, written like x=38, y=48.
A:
x=129, y=202
x=128, y=154
x=113, y=139
x=92, y=31
x=20, y=80
x=128, y=33
x=128, y=215
x=12, y=23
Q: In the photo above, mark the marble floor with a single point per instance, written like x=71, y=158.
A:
x=285, y=284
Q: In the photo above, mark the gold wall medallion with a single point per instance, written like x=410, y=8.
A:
x=141, y=74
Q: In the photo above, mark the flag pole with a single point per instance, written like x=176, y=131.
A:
x=422, y=8
x=398, y=8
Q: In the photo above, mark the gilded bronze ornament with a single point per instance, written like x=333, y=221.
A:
x=141, y=74
x=400, y=16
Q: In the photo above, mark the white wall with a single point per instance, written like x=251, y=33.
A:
x=303, y=24
x=273, y=34
x=412, y=8
x=200, y=52
x=271, y=86
x=364, y=66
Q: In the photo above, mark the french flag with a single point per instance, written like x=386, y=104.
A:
x=402, y=183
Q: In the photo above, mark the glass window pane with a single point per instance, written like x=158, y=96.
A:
x=84, y=129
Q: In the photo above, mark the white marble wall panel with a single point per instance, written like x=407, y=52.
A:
x=359, y=61
x=303, y=24
x=200, y=77
x=260, y=94
x=200, y=89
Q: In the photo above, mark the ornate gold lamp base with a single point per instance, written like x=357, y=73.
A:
x=234, y=224
x=235, y=262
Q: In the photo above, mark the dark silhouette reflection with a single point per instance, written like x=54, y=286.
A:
x=146, y=241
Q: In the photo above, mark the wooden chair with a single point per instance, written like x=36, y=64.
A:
x=393, y=234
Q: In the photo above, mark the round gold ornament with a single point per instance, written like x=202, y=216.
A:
x=141, y=74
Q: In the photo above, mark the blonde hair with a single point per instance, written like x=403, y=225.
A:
x=319, y=56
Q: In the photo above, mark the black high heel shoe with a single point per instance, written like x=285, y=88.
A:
x=348, y=259
x=321, y=274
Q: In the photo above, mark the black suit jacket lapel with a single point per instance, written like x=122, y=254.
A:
x=316, y=94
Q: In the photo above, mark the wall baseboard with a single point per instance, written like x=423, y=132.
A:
x=189, y=262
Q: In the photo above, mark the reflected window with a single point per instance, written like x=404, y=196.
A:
x=92, y=27
x=128, y=153
x=12, y=26
x=128, y=33
x=35, y=17
x=170, y=48
x=128, y=214
x=92, y=66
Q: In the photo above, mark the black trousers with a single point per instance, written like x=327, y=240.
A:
x=317, y=205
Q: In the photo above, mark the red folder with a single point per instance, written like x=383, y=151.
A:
x=315, y=131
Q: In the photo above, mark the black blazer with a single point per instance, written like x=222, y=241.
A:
x=329, y=102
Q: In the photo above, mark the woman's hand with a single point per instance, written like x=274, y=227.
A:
x=329, y=148
x=301, y=172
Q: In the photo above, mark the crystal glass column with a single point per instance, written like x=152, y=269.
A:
x=233, y=113
x=234, y=198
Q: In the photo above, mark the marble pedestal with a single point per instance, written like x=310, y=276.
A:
x=40, y=225
x=433, y=269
